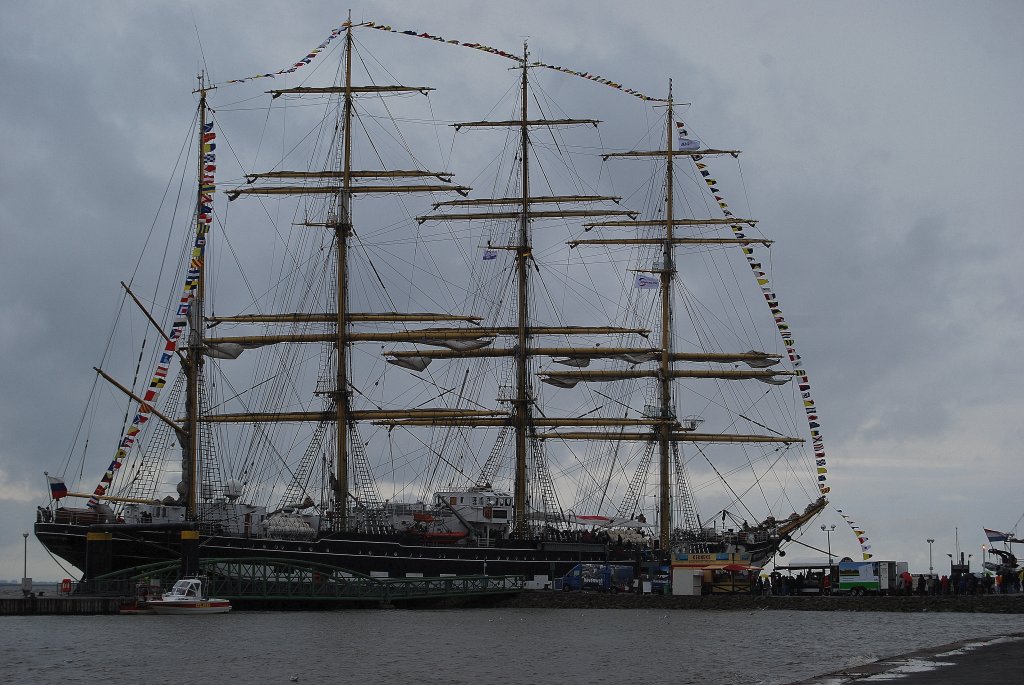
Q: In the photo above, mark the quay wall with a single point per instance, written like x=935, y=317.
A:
x=29, y=606
x=541, y=599
x=988, y=604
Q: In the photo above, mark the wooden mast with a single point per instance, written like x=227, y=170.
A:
x=341, y=233
x=194, y=359
x=667, y=271
x=521, y=407
x=340, y=221
x=522, y=410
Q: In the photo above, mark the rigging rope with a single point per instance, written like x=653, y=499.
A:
x=784, y=329
x=348, y=25
x=203, y=219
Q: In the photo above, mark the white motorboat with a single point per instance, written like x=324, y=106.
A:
x=188, y=597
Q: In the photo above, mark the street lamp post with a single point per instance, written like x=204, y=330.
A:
x=930, y=542
x=26, y=584
x=828, y=537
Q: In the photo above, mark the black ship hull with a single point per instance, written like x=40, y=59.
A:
x=376, y=555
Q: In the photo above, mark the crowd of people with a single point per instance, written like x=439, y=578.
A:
x=784, y=585
x=959, y=583
x=907, y=584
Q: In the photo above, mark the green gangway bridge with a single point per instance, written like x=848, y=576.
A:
x=266, y=583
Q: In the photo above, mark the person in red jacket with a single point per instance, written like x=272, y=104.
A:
x=908, y=582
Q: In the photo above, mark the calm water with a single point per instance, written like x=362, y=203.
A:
x=470, y=646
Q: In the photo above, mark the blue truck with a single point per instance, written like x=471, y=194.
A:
x=597, y=578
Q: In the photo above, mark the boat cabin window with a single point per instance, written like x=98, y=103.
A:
x=499, y=514
x=186, y=588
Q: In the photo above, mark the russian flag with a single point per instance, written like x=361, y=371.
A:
x=995, y=535
x=57, y=487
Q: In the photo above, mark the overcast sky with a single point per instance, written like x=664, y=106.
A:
x=882, y=151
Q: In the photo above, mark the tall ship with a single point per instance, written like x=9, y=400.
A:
x=352, y=355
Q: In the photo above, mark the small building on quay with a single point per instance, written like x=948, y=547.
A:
x=714, y=573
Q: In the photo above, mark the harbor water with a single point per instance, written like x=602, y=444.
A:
x=472, y=646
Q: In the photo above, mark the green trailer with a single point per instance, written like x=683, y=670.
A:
x=867, y=577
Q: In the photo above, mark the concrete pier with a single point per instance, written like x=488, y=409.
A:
x=988, y=604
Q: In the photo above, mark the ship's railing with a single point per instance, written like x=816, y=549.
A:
x=233, y=580
x=746, y=536
x=79, y=517
x=708, y=535
x=119, y=587
x=276, y=579
x=399, y=588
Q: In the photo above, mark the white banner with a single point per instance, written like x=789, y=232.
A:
x=645, y=282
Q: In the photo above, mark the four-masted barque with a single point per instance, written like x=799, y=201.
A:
x=471, y=465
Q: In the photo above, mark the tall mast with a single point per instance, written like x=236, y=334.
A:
x=341, y=184
x=667, y=271
x=341, y=233
x=194, y=358
x=521, y=409
x=524, y=208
